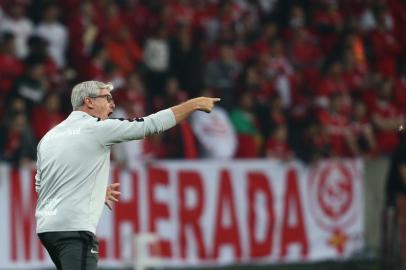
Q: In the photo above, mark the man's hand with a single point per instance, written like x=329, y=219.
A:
x=112, y=194
x=183, y=110
x=205, y=104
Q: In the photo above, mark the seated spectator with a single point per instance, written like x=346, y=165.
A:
x=305, y=55
x=333, y=82
x=385, y=47
x=386, y=118
x=315, y=143
x=17, y=143
x=261, y=89
x=246, y=126
x=277, y=144
x=15, y=105
x=328, y=22
x=272, y=115
x=113, y=17
x=10, y=66
x=362, y=129
x=354, y=73
x=262, y=45
x=47, y=115
x=337, y=127
x=296, y=21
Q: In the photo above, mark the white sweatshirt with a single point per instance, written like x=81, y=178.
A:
x=73, y=167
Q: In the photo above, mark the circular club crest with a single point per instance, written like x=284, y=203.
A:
x=331, y=195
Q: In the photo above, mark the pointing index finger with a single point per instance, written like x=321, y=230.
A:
x=216, y=99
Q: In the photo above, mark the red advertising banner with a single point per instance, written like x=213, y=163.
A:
x=207, y=213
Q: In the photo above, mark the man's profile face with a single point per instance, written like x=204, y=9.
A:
x=102, y=108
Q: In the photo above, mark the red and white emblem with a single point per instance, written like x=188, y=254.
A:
x=332, y=187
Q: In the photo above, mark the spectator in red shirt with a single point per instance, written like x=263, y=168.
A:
x=277, y=144
x=398, y=9
x=47, y=115
x=262, y=45
x=140, y=17
x=179, y=142
x=253, y=82
x=362, y=130
x=354, y=74
x=305, y=55
x=297, y=20
x=386, y=118
x=332, y=83
x=113, y=17
x=10, y=66
x=84, y=29
x=124, y=51
x=385, y=47
x=337, y=127
x=328, y=22
x=93, y=69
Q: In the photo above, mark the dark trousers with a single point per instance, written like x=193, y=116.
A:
x=76, y=250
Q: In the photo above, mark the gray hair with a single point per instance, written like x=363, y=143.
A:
x=86, y=89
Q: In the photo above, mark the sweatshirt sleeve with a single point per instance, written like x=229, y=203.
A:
x=112, y=131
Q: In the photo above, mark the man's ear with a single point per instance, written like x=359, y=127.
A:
x=88, y=102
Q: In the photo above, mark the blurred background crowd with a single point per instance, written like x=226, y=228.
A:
x=304, y=79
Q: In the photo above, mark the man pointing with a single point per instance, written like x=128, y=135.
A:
x=73, y=162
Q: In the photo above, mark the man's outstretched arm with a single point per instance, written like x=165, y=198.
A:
x=183, y=110
x=112, y=131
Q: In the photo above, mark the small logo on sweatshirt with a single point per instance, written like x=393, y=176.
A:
x=49, y=207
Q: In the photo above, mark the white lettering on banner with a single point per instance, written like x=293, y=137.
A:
x=212, y=213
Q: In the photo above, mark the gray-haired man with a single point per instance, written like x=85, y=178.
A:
x=73, y=161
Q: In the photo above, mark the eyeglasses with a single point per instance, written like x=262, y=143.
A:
x=109, y=98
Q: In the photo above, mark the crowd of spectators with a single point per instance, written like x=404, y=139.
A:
x=308, y=79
